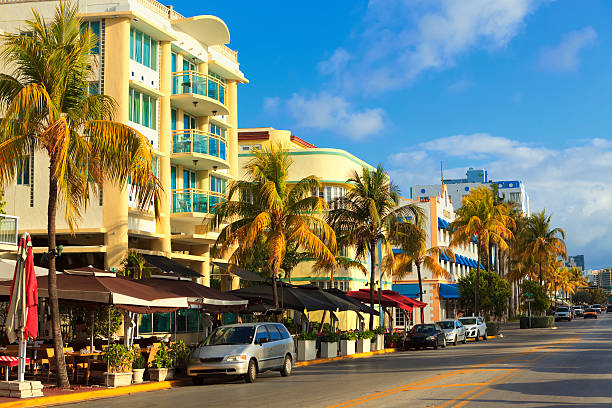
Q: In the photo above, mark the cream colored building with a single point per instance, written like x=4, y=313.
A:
x=175, y=81
x=332, y=167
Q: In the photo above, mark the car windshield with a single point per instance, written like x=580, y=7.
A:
x=596, y=306
x=562, y=309
x=448, y=324
x=590, y=310
x=423, y=328
x=468, y=321
x=230, y=336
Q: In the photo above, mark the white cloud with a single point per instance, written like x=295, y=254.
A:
x=272, y=104
x=334, y=113
x=336, y=63
x=460, y=86
x=565, y=56
x=574, y=183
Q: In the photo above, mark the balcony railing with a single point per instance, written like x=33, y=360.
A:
x=186, y=82
x=8, y=229
x=195, y=200
x=198, y=141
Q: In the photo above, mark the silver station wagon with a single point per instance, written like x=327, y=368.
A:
x=244, y=349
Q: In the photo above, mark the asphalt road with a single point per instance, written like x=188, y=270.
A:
x=567, y=367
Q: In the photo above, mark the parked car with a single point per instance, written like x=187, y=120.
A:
x=475, y=327
x=563, y=313
x=425, y=335
x=609, y=309
x=590, y=313
x=244, y=349
x=453, y=330
x=578, y=311
x=597, y=308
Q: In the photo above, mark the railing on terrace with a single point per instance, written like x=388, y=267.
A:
x=160, y=9
x=185, y=82
x=8, y=229
x=195, y=200
x=198, y=141
x=226, y=51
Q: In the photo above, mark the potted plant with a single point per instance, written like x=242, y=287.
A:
x=307, y=346
x=162, y=365
x=138, y=367
x=394, y=340
x=364, y=341
x=379, y=339
x=347, y=342
x=180, y=353
x=119, y=360
x=329, y=345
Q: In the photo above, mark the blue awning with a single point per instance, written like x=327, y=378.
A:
x=449, y=290
x=442, y=224
x=410, y=290
x=475, y=239
x=443, y=256
x=397, y=251
x=460, y=259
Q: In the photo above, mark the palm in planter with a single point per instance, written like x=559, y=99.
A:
x=162, y=365
x=119, y=359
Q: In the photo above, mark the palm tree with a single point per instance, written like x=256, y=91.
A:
x=134, y=266
x=367, y=214
x=411, y=237
x=481, y=218
x=539, y=240
x=47, y=109
x=267, y=208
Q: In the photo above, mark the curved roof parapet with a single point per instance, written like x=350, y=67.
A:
x=209, y=30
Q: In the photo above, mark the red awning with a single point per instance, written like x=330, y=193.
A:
x=399, y=298
x=363, y=295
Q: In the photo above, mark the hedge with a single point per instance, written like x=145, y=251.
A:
x=492, y=328
x=537, y=322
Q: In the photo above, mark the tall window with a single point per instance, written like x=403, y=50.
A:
x=217, y=184
x=217, y=76
x=189, y=122
x=217, y=130
x=173, y=119
x=143, y=49
x=23, y=171
x=94, y=27
x=143, y=109
x=189, y=179
x=172, y=177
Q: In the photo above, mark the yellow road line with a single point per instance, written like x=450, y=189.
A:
x=486, y=389
x=468, y=392
x=448, y=385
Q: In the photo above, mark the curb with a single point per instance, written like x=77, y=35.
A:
x=351, y=356
x=488, y=338
x=92, y=395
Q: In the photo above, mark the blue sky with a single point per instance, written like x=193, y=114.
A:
x=520, y=87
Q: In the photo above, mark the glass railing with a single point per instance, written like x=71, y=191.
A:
x=8, y=229
x=195, y=200
x=198, y=141
x=186, y=82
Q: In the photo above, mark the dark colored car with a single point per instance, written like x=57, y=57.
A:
x=609, y=309
x=590, y=313
x=425, y=335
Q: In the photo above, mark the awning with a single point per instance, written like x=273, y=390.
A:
x=168, y=265
x=443, y=257
x=410, y=290
x=449, y=290
x=363, y=308
x=289, y=297
x=341, y=304
x=442, y=224
x=386, y=300
x=240, y=272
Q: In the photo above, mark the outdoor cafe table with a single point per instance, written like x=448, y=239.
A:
x=81, y=356
x=9, y=361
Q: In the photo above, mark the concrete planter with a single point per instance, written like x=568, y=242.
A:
x=378, y=342
x=347, y=347
x=137, y=375
x=363, y=345
x=307, y=350
x=161, y=374
x=329, y=350
x=118, y=379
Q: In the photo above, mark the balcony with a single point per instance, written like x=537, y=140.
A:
x=192, y=144
x=193, y=200
x=198, y=94
x=8, y=230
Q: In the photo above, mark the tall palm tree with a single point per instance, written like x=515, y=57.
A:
x=267, y=208
x=540, y=240
x=481, y=218
x=47, y=109
x=368, y=213
x=411, y=237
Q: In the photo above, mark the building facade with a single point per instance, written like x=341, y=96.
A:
x=440, y=293
x=511, y=190
x=576, y=261
x=175, y=81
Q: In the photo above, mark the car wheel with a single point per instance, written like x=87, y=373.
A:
x=251, y=374
x=455, y=342
x=287, y=367
x=444, y=342
x=477, y=338
x=464, y=339
x=435, y=346
x=197, y=380
x=485, y=336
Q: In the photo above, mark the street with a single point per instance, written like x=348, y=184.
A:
x=567, y=367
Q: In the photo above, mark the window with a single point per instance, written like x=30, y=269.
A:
x=217, y=130
x=217, y=76
x=330, y=194
x=246, y=148
x=187, y=321
x=143, y=49
x=274, y=333
x=189, y=122
x=23, y=171
x=173, y=177
x=325, y=284
x=400, y=318
x=94, y=28
x=143, y=109
x=93, y=88
x=173, y=119
x=262, y=334
x=217, y=184
x=189, y=179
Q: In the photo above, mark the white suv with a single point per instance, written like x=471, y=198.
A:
x=563, y=313
x=475, y=327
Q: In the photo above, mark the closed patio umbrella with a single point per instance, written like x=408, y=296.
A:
x=290, y=297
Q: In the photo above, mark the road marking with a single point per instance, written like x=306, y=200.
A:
x=486, y=389
x=448, y=385
x=468, y=392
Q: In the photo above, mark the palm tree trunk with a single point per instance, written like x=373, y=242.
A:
x=372, y=275
x=58, y=346
x=489, y=257
x=418, y=266
x=477, y=287
x=540, y=265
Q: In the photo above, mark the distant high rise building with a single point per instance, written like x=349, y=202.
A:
x=510, y=190
x=604, y=280
x=575, y=261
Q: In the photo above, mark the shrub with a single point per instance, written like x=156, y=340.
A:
x=541, y=302
x=119, y=358
x=329, y=337
x=307, y=336
x=139, y=360
x=537, y=322
x=180, y=354
x=393, y=338
x=163, y=358
x=367, y=334
x=493, y=328
x=379, y=330
x=349, y=335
